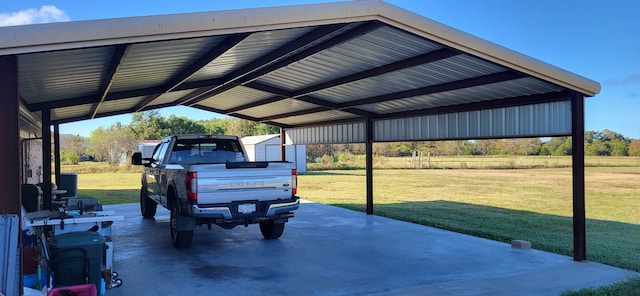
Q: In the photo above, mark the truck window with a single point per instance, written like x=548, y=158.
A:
x=160, y=152
x=207, y=151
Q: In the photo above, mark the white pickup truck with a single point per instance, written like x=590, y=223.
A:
x=206, y=179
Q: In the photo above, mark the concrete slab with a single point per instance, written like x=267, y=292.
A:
x=332, y=251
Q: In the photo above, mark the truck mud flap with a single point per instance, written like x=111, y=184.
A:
x=186, y=223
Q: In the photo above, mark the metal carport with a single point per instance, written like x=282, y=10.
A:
x=358, y=71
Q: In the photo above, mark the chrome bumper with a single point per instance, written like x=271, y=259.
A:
x=225, y=212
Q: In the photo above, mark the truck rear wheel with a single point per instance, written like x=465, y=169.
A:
x=180, y=239
x=147, y=206
x=271, y=230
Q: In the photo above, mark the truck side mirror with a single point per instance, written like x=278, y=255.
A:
x=136, y=158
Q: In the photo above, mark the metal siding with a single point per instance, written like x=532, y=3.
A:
x=10, y=254
x=331, y=134
x=521, y=121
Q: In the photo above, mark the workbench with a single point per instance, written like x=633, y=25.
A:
x=98, y=221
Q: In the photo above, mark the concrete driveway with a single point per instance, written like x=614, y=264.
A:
x=327, y=250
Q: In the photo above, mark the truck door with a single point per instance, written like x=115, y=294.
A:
x=154, y=171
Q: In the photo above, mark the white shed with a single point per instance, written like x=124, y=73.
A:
x=267, y=148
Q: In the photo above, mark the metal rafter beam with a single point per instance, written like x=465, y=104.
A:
x=444, y=87
x=305, y=46
x=296, y=113
x=228, y=43
x=117, y=60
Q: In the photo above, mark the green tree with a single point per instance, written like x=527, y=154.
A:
x=634, y=148
x=113, y=144
x=619, y=147
x=183, y=125
x=508, y=146
x=264, y=129
x=597, y=148
x=552, y=146
x=485, y=146
x=73, y=148
x=216, y=126
x=149, y=125
x=529, y=146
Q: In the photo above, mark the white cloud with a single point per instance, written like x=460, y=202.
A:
x=46, y=14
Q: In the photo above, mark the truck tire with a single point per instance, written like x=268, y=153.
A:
x=180, y=239
x=271, y=230
x=147, y=206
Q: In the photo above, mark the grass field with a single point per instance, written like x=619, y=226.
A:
x=503, y=204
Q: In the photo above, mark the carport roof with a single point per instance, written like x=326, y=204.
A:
x=286, y=66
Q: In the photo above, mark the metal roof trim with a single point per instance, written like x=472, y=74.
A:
x=103, y=32
x=482, y=48
x=66, y=35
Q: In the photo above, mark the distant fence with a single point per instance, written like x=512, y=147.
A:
x=471, y=162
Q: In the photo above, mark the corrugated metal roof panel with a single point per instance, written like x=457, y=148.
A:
x=71, y=112
x=170, y=97
x=279, y=107
x=443, y=71
x=112, y=106
x=380, y=47
x=235, y=97
x=59, y=75
x=251, y=48
x=154, y=63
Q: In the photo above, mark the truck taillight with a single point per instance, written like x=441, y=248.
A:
x=294, y=188
x=192, y=186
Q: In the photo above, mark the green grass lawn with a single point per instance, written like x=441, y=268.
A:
x=529, y=204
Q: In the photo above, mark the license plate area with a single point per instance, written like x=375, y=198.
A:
x=246, y=208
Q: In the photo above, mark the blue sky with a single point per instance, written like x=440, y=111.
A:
x=593, y=38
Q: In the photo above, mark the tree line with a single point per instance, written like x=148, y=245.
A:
x=597, y=143
x=115, y=143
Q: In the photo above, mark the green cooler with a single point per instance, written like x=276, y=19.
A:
x=76, y=258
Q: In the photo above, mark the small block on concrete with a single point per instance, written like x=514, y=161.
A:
x=521, y=244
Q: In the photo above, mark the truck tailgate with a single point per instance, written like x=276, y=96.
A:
x=218, y=184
